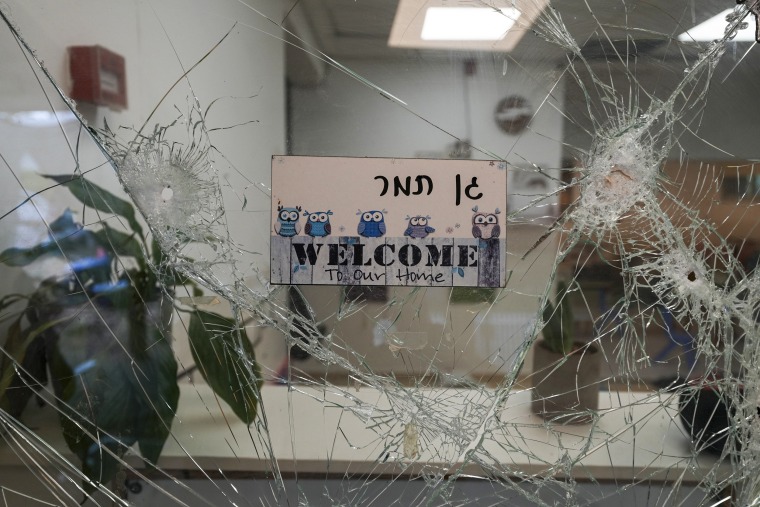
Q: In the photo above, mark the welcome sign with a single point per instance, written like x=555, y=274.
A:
x=378, y=221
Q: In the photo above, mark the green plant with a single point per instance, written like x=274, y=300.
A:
x=558, y=322
x=99, y=335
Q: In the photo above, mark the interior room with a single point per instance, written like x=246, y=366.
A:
x=168, y=338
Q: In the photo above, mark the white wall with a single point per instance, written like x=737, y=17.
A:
x=246, y=71
x=722, y=125
x=344, y=117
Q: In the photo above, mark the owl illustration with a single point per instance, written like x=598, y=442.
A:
x=318, y=224
x=371, y=223
x=418, y=227
x=485, y=225
x=287, y=221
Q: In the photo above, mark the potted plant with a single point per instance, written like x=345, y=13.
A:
x=565, y=371
x=100, y=336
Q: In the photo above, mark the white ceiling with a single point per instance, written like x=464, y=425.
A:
x=348, y=29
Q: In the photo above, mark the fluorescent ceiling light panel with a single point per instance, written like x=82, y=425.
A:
x=467, y=23
x=714, y=28
x=38, y=118
x=463, y=25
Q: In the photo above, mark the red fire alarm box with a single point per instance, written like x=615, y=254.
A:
x=99, y=76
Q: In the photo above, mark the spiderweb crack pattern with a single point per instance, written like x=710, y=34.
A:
x=671, y=259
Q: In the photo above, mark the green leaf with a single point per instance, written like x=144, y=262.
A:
x=156, y=253
x=114, y=373
x=170, y=277
x=9, y=300
x=19, y=340
x=18, y=257
x=226, y=360
x=156, y=379
x=98, y=198
x=120, y=243
x=12, y=347
x=31, y=377
x=90, y=370
x=67, y=239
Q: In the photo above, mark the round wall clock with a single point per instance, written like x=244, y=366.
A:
x=513, y=114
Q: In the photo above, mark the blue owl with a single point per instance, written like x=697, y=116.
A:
x=371, y=223
x=287, y=221
x=318, y=224
x=418, y=227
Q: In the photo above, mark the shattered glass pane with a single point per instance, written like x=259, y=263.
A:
x=145, y=359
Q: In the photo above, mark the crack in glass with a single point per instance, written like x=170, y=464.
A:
x=145, y=358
